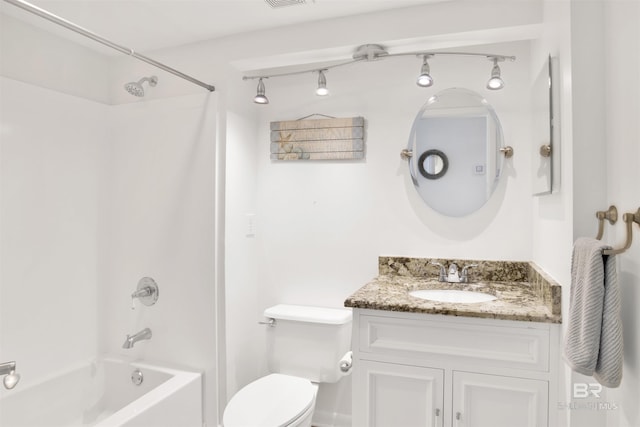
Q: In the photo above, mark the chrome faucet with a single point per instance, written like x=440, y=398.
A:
x=147, y=292
x=144, y=334
x=464, y=276
x=442, y=277
x=8, y=369
x=453, y=275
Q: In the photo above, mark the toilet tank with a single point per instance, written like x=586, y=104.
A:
x=307, y=341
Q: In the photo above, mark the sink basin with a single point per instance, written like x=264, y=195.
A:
x=452, y=295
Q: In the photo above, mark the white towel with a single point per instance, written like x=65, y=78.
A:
x=593, y=342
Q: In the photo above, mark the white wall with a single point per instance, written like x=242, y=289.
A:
x=599, y=158
x=50, y=165
x=37, y=57
x=322, y=225
x=622, y=141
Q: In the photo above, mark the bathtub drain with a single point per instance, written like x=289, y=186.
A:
x=136, y=377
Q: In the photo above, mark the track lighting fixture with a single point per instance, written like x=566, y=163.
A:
x=425, y=79
x=373, y=52
x=322, y=84
x=495, y=82
x=260, y=97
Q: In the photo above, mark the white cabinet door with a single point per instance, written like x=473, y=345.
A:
x=481, y=400
x=397, y=395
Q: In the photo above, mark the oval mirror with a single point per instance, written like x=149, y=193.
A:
x=456, y=162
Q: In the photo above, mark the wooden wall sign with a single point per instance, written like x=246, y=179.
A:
x=318, y=139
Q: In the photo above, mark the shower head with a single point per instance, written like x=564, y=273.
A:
x=136, y=89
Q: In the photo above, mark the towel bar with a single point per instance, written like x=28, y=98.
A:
x=628, y=218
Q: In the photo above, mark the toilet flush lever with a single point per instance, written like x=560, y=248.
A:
x=270, y=322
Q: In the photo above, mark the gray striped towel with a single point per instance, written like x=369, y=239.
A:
x=593, y=341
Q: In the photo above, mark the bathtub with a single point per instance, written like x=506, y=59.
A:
x=102, y=394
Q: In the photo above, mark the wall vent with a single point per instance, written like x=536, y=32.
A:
x=282, y=3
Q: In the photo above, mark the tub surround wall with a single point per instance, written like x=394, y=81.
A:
x=51, y=146
x=160, y=218
x=520, y=287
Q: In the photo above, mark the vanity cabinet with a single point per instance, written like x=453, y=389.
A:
x=398, y=395
x=444, y=371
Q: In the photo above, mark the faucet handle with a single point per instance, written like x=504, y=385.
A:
x=443, y=271
x=464, y=277
x=147, y=292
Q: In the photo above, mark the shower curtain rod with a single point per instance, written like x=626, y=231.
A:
x=93, y=36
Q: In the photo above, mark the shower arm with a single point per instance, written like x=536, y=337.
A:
x=93, y=36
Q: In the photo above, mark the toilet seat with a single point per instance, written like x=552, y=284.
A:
x=276, y=400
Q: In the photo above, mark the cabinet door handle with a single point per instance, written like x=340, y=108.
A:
x=458, y=418
x=437, y=423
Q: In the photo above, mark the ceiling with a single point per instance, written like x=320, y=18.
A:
x=146, y=25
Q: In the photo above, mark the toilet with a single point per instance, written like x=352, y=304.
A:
x=305, y=346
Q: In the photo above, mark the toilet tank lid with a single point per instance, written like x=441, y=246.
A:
x=303, y=313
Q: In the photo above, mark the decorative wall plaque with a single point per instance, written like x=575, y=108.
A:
x=318, y=139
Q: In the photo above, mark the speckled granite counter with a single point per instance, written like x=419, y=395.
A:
x=523, y=290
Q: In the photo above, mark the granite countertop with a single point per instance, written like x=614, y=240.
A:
x=523, y=291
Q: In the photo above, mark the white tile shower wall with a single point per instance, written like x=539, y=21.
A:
x=161, y=217
x=50, y=160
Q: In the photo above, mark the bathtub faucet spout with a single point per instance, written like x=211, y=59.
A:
x=144, y=334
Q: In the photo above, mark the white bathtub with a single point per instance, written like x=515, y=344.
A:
x=102, y=394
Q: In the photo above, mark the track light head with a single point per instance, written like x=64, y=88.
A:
x=260, y=97
x=495, y=82
x=322, y=84
x=425, y=79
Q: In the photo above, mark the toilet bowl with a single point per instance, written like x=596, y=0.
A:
x=305, y=346
x=275, y=400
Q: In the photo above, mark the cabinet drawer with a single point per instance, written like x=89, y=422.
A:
x=449, y=341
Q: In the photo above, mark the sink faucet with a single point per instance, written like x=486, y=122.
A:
x=453, y=275
x=464, y=276
x=442, y=277
x=144, y=334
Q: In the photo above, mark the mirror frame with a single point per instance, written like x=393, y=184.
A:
x=545, y=155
